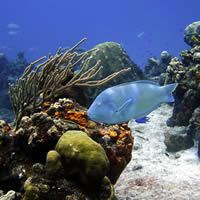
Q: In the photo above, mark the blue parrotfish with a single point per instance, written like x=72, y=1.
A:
x=132, y=100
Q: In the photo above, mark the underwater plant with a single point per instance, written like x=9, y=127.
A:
x=47, y=80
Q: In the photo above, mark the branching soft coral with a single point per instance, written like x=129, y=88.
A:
x=46, y=80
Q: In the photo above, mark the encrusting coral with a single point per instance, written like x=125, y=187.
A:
x=186, y=72
x=41, y=131
x=51, y=78
x=75, y=158
x=37, y=137
x=86, y=157
x=116, y=141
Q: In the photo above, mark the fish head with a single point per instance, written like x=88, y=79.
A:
x=102, y=110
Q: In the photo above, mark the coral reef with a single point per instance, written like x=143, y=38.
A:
x=10, y=195
x=9, y=71
x=112, y=58
x=186, y=72
x=41, y=131
x=155, y=67
x=37, y=137
x=193, y=128
x=187, y=94
x=192, y=32
x=53, y=151
x=3, y=65
x=53, y=78
x=39, y=186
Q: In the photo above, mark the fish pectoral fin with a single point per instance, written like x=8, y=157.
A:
x=125, y=105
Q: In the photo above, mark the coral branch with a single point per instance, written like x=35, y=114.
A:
x=46, y=80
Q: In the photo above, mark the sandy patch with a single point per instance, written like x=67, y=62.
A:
x=161, y=176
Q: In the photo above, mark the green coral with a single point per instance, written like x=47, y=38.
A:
x=195, y=39
x=82, y=157
x=53, y=164
x=192, y=34
x=106, y=181
x=31, y=192
x=69, y=197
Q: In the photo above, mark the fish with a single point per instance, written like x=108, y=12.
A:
x=12, y=32
x=13, y=26
x=132, y=100
x=142, y=120
x=139, y=35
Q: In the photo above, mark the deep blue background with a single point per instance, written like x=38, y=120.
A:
x=47, y=24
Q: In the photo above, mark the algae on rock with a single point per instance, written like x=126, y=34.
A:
x=112, y=58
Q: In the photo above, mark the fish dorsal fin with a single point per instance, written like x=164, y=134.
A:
x=140, y=81
x=125, y=105
x=147, y=82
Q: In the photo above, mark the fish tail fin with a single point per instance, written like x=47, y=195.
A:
x=168, y=89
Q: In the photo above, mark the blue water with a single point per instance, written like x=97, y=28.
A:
x=143, y=27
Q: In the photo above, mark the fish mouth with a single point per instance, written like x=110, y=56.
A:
x=93, y=118
x=90, y=116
